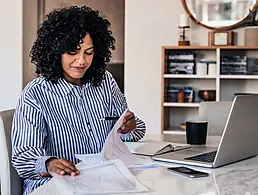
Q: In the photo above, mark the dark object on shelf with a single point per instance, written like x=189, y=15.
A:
x=207, y=95
x=233, y=64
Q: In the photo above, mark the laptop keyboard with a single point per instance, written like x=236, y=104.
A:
x=207, y=157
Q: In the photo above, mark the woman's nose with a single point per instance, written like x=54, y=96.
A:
x=81, y=59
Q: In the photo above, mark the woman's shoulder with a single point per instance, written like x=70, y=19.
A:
x=35, y=86
x=35, y=83
x=108, y=76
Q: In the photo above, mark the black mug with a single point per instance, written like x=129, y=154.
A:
x=196, y=132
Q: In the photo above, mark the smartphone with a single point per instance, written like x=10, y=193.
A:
x=188, y=172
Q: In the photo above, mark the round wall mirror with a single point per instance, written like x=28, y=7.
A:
x=219, y=14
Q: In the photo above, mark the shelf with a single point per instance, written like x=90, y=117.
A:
x=190, y=47
x=176, y=104
x=239, y=76
x=174, y=130
x=173, y=113
x=210, y=47
x=179, y=76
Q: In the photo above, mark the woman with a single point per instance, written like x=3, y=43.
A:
x=59, y=113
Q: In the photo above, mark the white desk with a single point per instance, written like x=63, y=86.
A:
x=238, y=178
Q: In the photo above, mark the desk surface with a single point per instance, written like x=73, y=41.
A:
x=238, y=178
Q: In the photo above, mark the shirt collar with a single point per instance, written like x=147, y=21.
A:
x=64, y=87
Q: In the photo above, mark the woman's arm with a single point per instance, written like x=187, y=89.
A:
x=120, y=104
x=29, y=140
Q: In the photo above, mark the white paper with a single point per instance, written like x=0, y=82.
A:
x=109, y=177
x=115, y=148
x=140, y=163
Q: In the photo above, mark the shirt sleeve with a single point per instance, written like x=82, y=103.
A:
x=29, y=140
x=120, y=104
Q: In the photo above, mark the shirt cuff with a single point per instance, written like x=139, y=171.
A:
x=40, y=165
x=125, y=135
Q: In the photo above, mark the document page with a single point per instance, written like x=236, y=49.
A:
x=97, y=179
x=115, y=148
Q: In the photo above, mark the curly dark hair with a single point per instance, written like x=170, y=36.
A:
x=61, y=32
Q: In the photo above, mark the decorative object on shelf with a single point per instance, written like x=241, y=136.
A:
x=212, y=69
x=251, y=30
x=207, y=95
x=251, y=38
x=221, y=38
x=219, y=14
x=183, y=26
x=180, y=94
x=252, y=66
x=180, y=62
x=182, y=126
x=201, y=68
x=233, y=64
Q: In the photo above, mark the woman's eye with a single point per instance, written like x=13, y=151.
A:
x=89, y=53
x=72, y=53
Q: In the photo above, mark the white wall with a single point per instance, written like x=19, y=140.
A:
x=149, y=25
x=10, y=52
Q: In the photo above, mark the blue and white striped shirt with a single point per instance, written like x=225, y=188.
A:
x=60, y=120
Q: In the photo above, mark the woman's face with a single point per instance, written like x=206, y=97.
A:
x=75, y=64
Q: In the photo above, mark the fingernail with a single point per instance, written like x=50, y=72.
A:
x=62, y=172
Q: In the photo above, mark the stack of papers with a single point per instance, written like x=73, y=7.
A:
x=109, y=177
x=106, y=172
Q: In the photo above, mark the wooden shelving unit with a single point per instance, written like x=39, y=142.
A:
x=174, y=113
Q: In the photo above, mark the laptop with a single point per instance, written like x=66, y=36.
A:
x=239, y=140
x=216, y=113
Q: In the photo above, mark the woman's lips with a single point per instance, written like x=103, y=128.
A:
x=79, y=68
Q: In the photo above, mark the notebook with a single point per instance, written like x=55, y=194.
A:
x=152, y=148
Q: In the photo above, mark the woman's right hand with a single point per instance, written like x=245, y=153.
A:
x=61, y=167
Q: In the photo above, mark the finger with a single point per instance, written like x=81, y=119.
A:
x=130, y=125
x=68, y=164
x=129, y=119
x=125, y=130
x=59, y=171
x=64, y=168
x=129, y=115
x=45, y=175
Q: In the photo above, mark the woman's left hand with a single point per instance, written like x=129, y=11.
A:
x=129, y=123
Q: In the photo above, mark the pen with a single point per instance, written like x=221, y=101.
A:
x=110, y=118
